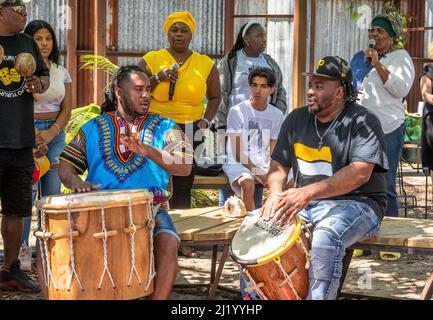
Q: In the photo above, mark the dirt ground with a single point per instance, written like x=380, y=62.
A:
x=368, y=275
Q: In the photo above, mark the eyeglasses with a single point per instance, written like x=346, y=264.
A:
x=21, y=10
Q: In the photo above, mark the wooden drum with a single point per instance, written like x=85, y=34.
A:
x=274, y=259
x=96, y=245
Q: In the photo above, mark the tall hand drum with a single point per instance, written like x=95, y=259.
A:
x=274, y=259
x=96, y=245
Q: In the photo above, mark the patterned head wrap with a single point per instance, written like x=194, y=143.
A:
x=10, y=3
x=394, y=20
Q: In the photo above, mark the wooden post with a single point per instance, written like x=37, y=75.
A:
x=312, y=36
x=299, y=53
x=71, y=51
x=113, y=27
x=229, y=25
x=100, y=45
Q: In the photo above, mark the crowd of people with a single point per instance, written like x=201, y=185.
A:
x=342, y=148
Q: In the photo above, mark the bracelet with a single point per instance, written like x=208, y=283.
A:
x=207, y=121
x=157, y=78
x=55, y=125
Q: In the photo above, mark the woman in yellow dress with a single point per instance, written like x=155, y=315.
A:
x=196, y=79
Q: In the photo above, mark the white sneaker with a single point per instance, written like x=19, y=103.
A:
x=25, y=258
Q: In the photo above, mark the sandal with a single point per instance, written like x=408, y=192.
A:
x=390, y=256
x=188, y=252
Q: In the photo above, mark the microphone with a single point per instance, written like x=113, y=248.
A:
x=371, y=44
x=172, y=84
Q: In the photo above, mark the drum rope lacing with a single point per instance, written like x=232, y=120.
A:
x=71, y=252
x=151, y=225
x=104, y=245
x=43, y=247
x=254, y=285
x=132, y=236
x=287, y=278
x=308, y=235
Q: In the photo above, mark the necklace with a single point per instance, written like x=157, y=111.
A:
x=321, y=137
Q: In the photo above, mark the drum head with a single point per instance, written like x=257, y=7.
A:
x=258, y=241
x=94, y=199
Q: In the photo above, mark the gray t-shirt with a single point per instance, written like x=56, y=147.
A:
x=356, y=136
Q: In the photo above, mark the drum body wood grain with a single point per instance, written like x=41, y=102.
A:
x=106, y=237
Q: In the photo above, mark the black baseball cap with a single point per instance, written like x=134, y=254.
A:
x=11, y=3
x=333, y=67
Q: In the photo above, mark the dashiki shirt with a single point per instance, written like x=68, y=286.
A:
x=97, y=148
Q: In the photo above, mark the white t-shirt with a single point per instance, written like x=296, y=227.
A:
x=386, y=100
x=241, y=89
x=51, y=100
x=257, y=129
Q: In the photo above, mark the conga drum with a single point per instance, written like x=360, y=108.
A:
x=96, y=245
x=274, y=259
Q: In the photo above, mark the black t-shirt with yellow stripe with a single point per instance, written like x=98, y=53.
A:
x=356, y=136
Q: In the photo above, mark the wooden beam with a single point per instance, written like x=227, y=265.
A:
x=312, y=36
x=113, y=27
x=100, y=47
x=229, y=25
x=299, y=53
x=71, y=53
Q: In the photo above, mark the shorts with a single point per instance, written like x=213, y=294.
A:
x=164, y=224
x=234, y=171
x=16, y=175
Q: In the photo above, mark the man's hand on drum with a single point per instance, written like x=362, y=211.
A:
x=80, y=186
x=267, y=212
x=294, y=200
x=286, y=205
x=134, y=145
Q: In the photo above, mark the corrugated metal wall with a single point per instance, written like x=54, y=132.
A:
x=141, y=24
x=53, y=11
x=336, y=33
x=428, y=35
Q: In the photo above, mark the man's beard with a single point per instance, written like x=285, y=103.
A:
x=128, y=107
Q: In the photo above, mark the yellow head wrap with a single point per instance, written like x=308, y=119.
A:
x=183, y=16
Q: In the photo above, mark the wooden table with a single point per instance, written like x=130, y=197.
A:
x=207, y=227
x=401, y=235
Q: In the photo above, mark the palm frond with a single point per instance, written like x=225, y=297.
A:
x=94, y=62
x=78, y=118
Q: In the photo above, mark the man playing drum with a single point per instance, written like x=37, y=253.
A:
x=336, y=149
x=128, y=148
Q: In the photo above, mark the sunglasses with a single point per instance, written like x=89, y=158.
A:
x=21, y=10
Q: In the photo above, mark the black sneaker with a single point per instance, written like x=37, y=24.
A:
x=17, y=280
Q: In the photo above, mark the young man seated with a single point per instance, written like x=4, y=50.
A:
x=252, y=129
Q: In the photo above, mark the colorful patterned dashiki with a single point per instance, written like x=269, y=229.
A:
x=97, y=148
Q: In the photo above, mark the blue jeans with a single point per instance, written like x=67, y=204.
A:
x=226, y=192
x=394, y=144
x=50, y=182
x=337, y=225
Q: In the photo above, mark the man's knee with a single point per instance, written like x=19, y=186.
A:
x=247, y=183
x=166, y=245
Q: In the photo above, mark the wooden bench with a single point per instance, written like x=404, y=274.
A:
x=405, y=235
x=207, y=227
x=208, y=182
